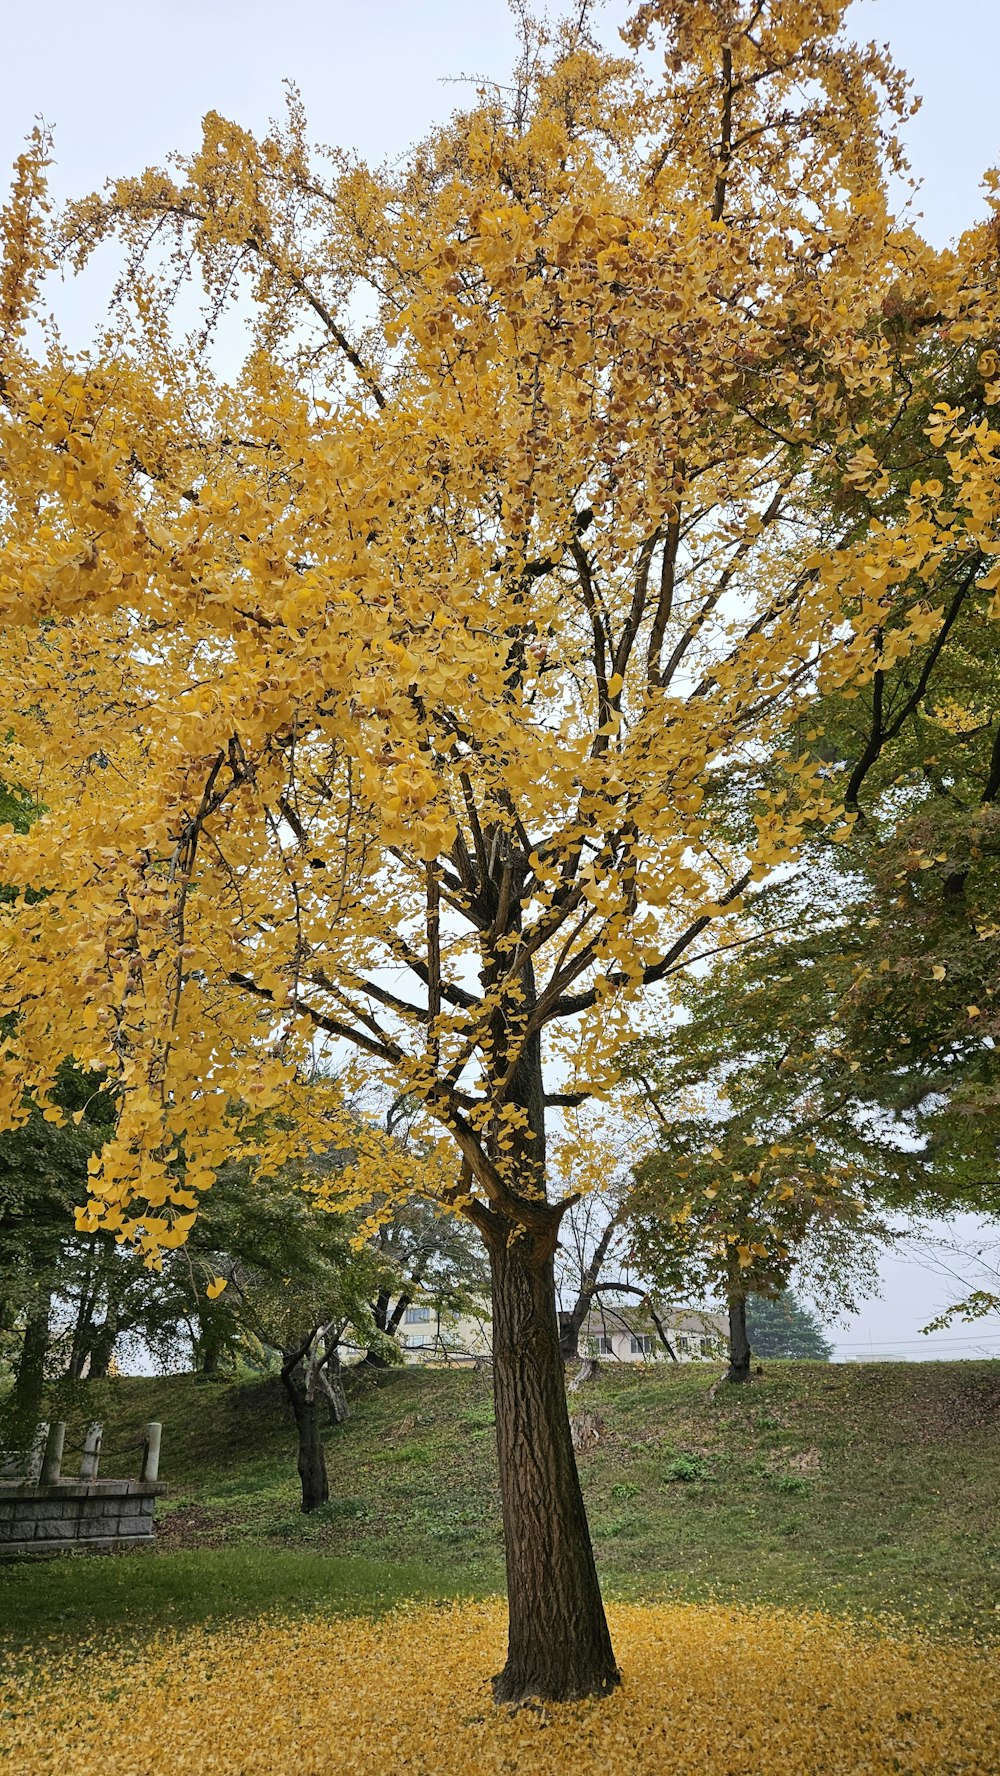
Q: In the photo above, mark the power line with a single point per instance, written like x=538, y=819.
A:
x=929, y=1343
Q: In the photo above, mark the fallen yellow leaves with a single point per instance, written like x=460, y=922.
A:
x=707, y=1689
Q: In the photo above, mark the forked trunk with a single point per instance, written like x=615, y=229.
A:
x=559, y=1645
x=311, y=1460
x=739, y=1343
x=571, y=1322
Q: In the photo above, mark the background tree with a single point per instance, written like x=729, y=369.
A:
x=427, y=1255
x=756, y=1170
x=426, y=655
x=595, y=1271
x=266, y=1275
x=425, y=1251
x=854, y=1015
x=782, y=1327
x=43, y=1265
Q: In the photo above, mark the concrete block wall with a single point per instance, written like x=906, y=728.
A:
x=97, y=1514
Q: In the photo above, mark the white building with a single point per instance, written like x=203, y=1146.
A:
x=429, y=1334
x=629, y=1335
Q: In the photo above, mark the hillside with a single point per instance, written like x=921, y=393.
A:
x=846, y=1486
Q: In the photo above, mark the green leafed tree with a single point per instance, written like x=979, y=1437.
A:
x=782, y=1327
x=43, y=1261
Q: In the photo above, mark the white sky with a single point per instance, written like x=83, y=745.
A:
x=124, y=83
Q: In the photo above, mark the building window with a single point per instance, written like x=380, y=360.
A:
x=601, y=1346
x=683, y=1342
x=417, y=1315
x=641, y=1344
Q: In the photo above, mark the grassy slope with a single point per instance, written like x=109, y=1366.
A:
x=859, y=1487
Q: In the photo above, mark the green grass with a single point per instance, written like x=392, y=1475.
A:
x=79, y=1596
x=846, y=1487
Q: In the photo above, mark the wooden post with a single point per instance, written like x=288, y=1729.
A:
x=53, y=1453
x=91, y=1451
x=151, y=1452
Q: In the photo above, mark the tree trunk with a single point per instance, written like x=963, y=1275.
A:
x=333, y=1388
x=387, y=1322
x=571, y=1323
x=311, y=1461
x=83, y=1330
x=559, y=1645
x=103, y=1348
x=80, y=1352
x=569, y=1334
x=29, y=1382
x=209, y=1350
x=739, y=1343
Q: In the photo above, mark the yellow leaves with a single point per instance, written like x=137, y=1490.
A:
x=865, y=471
x=989, y=365
x=175, y=1234
x=251, y=1699
x=938, y=972
x=215, y=1287
x=284, y=642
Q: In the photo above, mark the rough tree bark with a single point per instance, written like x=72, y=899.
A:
x=559, y=1645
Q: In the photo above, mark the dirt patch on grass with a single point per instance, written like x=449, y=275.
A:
x=951, y=1405
x=191, y=1526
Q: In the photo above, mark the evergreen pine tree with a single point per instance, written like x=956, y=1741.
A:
x=782, y=1327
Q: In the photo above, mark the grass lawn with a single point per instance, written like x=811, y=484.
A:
x=77, y=1597
x=866, y=1489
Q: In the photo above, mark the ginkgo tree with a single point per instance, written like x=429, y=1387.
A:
x=388, y=687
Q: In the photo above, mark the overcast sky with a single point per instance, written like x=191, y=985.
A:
x=123, y=84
